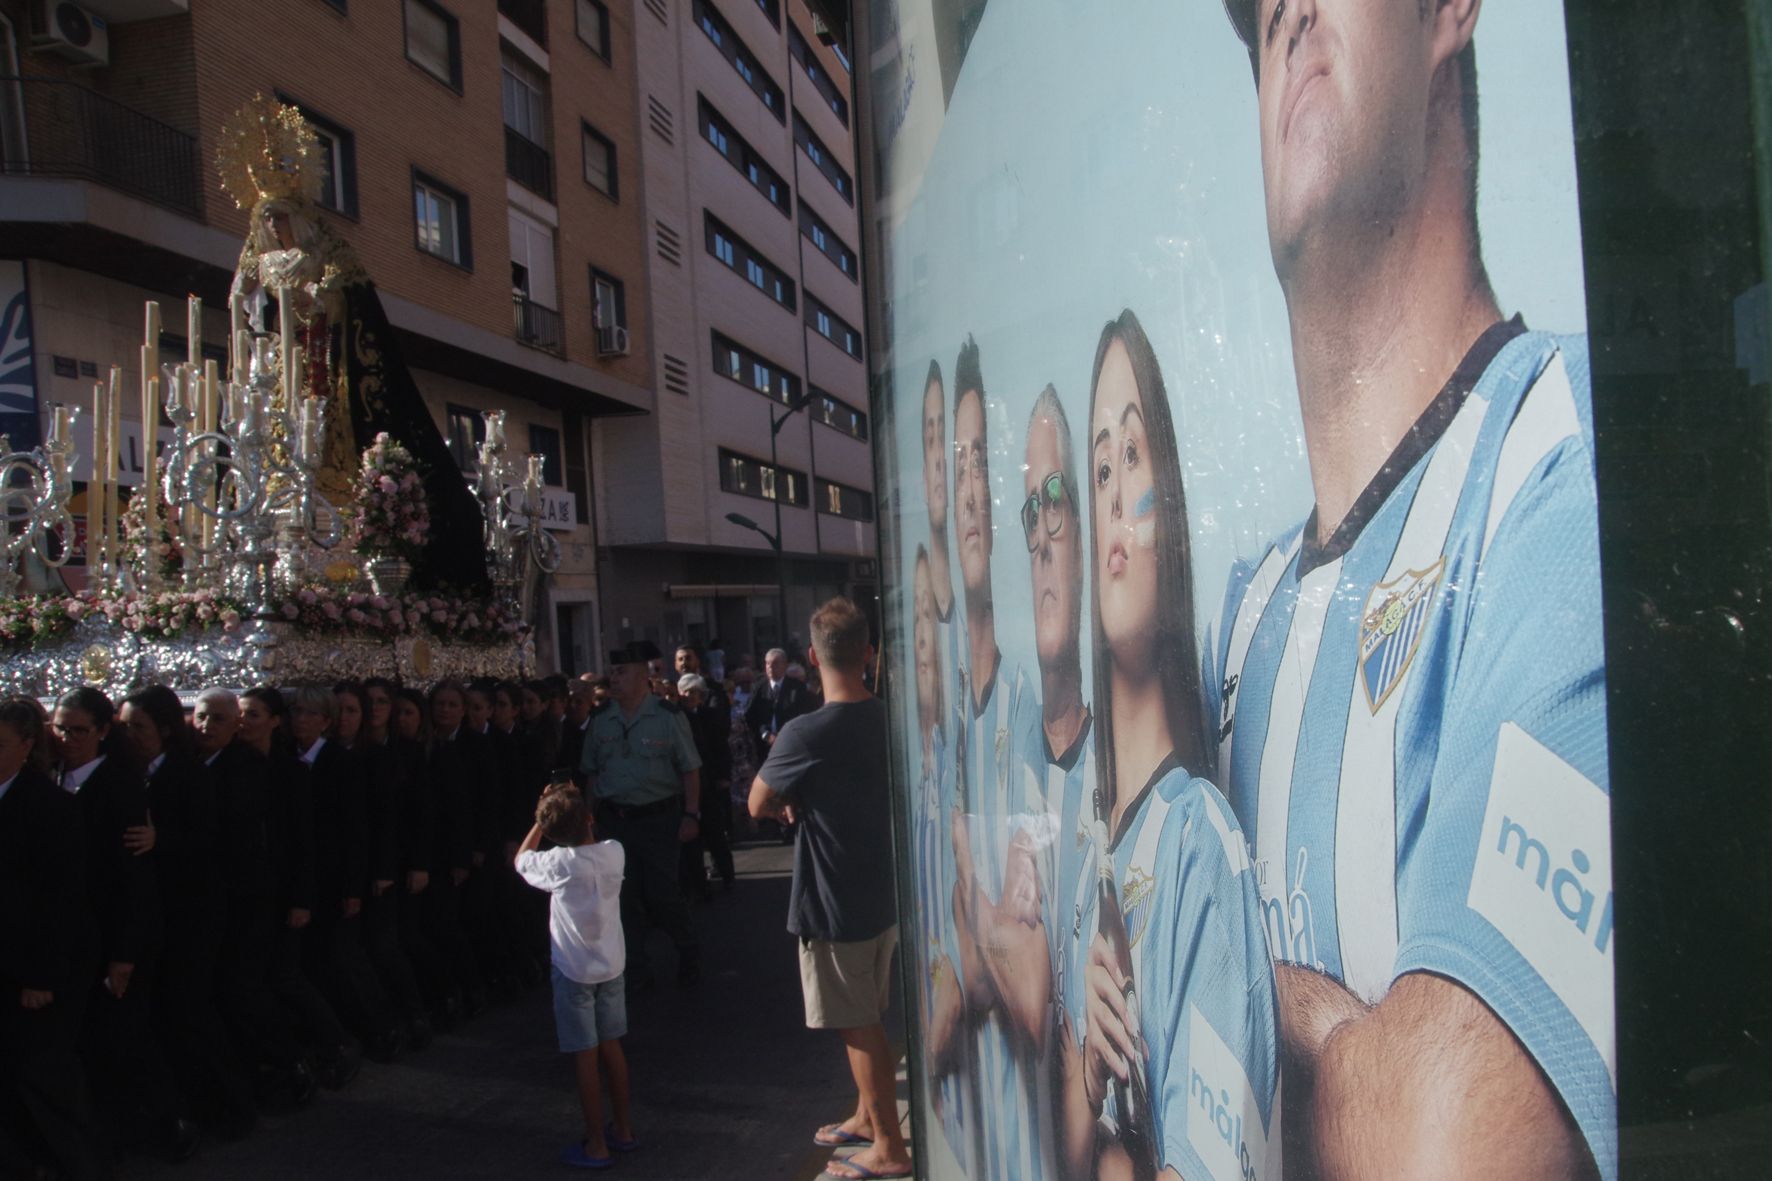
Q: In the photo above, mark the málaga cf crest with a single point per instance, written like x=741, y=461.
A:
x=1396, y=614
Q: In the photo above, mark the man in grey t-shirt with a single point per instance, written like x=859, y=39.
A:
x=827, y=770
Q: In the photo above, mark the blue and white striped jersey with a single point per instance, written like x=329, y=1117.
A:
x=1413, y=730
x=1206, y=1005
x=933, y=857
x=1066, y=783
x=992, y=781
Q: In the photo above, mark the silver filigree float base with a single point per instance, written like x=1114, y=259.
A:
x=260, y=652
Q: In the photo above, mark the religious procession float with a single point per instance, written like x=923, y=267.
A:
x=306, y=521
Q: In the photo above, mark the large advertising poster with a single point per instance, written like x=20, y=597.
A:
x=1244, y=587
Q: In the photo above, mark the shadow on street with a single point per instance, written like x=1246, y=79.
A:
x=727, y=1081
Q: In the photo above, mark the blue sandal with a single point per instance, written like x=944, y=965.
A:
x=862, y=1172
x=576, y=1156
x=833, y=1136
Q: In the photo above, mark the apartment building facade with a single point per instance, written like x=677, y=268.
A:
x=482, y=159
x=746, y=497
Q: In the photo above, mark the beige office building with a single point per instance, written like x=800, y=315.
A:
x=748, y=168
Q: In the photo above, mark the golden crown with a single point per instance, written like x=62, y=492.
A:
x=268, y=150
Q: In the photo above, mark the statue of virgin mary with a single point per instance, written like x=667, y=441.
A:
x=269, y=163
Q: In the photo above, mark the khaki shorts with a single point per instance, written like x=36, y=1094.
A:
x=847, y=985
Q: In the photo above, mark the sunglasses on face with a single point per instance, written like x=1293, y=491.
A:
x=1048, y=500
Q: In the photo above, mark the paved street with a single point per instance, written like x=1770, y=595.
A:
x=728, y=1083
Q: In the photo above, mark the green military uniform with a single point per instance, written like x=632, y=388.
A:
x=639, y=761
x=637, y=766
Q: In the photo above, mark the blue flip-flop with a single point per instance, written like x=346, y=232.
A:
x=833, y=1136
x=616, y=1142
x=862, y=1172
x=575, y=1155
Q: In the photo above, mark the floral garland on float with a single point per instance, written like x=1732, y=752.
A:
x=261, y=545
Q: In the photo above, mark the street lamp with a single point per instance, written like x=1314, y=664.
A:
x=794, y=405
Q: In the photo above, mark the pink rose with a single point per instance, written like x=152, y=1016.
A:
x=291, y=611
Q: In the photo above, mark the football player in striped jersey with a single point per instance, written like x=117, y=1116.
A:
x=1410, y=685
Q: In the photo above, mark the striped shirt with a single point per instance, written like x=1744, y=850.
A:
x=1206, y=1005
x=1413, y=721
x=1017, y=1133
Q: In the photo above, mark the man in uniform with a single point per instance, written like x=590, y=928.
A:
x=1411, y=685
x=643, y=776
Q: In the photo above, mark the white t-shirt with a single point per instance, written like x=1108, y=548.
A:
x=584, y=907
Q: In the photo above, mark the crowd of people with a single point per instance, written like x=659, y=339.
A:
x=214, y=910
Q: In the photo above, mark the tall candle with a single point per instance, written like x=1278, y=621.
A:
x=211, y=387
x=236, y=325
x=113, y=460
x=242, y=369
x=286, y=329
x=194, y=330
x=150, y=429
x=95, y=481
x=295, y=360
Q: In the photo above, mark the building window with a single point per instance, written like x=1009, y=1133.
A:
x=745, y=476
x=742, y=59
x=338, y=159
x=527, y=159
x=545, y=442
x=832, y=327
x=593, y=26
x=525, y=99
x=599, y=160
x=825, y=240
x=821, y=156
x=609, y=301
x=743, y=258
x=736, y=363
x=441, y=217
x=838, y=414
x=840, y=500
x=772, y=10
x=466, y=431
x=433, y=41
x=718, y=132
x=822, y=81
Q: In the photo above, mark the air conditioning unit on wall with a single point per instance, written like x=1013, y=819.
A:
x=612, y=342
x=72, y=32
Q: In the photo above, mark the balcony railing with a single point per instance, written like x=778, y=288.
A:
x=529, y=15
x=529, y=164
x=73, y=131
x=537, y=326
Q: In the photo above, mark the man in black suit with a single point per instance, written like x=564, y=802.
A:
x=46, y=941
x=247, y=856
x=124, y=1056
x=576, y=725
x=334, y=951
x=778, y=700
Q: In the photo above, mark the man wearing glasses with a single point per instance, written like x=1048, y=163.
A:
x=1057, y=741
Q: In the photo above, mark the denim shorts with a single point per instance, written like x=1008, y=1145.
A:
x=586, y=1014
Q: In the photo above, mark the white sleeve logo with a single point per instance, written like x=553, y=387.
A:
x=1543, y=878
x=1224, y=1113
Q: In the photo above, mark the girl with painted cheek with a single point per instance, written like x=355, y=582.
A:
x=1177, y=943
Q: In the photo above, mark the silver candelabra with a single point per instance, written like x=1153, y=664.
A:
x=35, y=487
